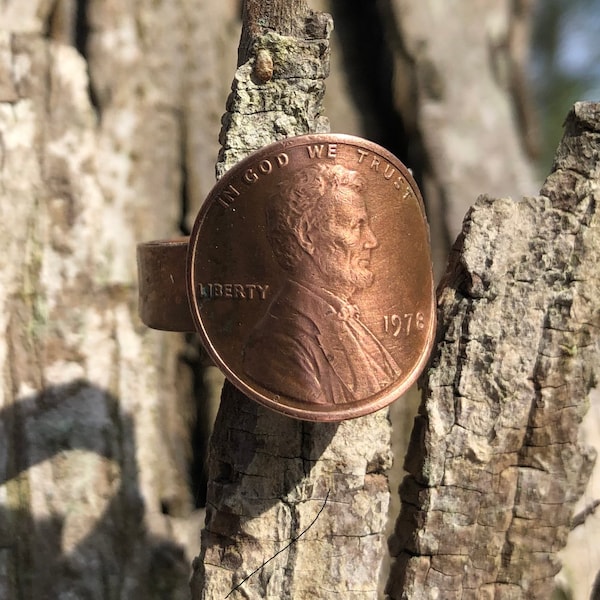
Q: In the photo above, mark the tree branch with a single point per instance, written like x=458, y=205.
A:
x=269, y=474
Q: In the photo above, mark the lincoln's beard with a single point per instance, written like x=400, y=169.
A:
x=338, y=271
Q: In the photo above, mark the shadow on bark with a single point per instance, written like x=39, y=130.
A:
x=247, y=480
x=68, y=433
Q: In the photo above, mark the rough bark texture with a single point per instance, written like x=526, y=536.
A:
x=269, y=478
x=94, y=407
x=495, y=464
x=271, y=475
x=456, y=126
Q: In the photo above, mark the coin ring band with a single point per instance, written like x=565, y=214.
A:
x=322, y=318
x=163, y=297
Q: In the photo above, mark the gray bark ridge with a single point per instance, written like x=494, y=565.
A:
x=495, y=465
x=270, y=476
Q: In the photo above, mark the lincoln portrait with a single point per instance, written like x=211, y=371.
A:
x=311, y=344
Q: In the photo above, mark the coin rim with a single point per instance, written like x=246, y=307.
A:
x=333, y=412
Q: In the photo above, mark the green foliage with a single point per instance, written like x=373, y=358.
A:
x=566, y=64
x=561, y=594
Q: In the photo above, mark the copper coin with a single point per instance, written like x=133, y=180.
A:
x=309, y=277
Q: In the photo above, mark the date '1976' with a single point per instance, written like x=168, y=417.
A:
x=403, y=324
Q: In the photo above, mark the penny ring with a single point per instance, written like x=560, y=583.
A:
x=307, y=276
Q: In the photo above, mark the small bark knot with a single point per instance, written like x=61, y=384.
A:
x=263, y=65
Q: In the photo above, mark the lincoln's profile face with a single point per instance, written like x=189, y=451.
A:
x=319, y=229
x=343, y=243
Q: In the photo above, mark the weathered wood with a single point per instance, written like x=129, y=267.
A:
x=495, y=464
x=271, y=475
x=456, y=125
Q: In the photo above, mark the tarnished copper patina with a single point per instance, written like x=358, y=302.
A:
x=308, y=278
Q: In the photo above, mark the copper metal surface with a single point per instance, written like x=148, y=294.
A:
x=163, y=299
x=309, y=277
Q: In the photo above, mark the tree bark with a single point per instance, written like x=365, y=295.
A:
x=108, y=132
x=495, y=461
x=457, y=116
x=94, y=407
x=269, y=475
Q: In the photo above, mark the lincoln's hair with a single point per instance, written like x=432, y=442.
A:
x=304, y=201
